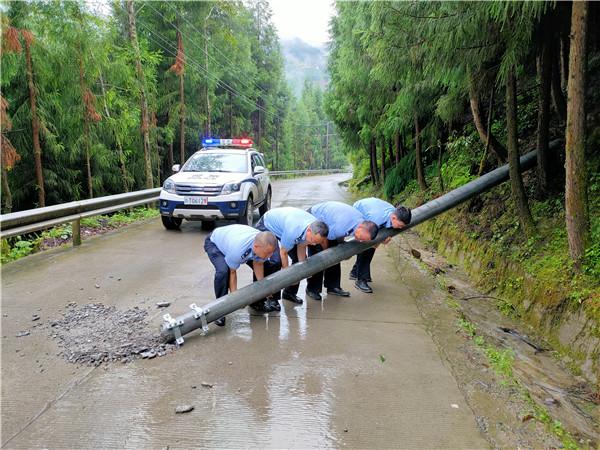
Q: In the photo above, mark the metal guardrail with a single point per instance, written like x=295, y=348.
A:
x=275, y=173
x=22, y=222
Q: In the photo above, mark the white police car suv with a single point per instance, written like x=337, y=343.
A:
x=227, y=179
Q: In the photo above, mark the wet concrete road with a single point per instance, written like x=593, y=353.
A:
x=357, y=372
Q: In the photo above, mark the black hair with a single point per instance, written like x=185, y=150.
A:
x=403, y=213
x=372, y=228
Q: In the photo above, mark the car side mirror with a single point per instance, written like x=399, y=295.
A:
x=259, y=169
x=176, y=167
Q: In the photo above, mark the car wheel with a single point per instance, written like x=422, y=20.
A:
x=247, y=216
x=266, y=205
x=208, y=225
x=171, y=223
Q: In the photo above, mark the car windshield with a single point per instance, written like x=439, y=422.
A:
x=217, y=162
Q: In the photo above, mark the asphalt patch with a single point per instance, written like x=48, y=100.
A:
x=94, y=333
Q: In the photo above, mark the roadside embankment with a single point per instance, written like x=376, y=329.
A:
x=556, y=310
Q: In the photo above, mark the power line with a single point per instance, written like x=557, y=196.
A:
x=231, y=64
x=172, y=51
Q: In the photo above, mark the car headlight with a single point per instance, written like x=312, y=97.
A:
x=230, y=187
x=169, y=186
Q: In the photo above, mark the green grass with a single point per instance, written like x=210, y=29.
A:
x=502, y=362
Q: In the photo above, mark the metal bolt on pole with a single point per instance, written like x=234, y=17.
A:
x=197, y=317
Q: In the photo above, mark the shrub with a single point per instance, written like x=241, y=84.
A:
x=399, y=177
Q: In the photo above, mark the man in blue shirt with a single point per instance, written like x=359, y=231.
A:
x=385, y=215
x=231, y=246
x=343, y=220
x=296, y=229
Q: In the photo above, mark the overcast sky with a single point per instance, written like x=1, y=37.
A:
x=304, y=19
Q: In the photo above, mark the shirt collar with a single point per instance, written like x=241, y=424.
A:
x=302, y=237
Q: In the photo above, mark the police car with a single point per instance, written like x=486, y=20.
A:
x=226, y=179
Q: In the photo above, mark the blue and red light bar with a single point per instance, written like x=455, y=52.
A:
x=215, y=142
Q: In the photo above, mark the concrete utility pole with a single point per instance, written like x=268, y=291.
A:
x=174, y=329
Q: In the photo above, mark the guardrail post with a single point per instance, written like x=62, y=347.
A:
x=76, y=226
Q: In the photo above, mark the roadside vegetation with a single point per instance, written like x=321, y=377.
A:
x=501, y=361
x=21, y=246
x=440, y=93
x=103, y=98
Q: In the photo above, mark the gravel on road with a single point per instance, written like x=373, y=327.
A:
x=95, y=333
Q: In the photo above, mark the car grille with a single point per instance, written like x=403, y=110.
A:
x=192, y=189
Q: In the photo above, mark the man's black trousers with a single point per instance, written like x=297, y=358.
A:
x=362, y=267
x=221, y=281
x=276, y=258
x=332, y=275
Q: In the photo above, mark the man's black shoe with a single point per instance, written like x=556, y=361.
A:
x=292, y=297
x=314, y=295
x=274, y=305
x=338, y=291
x=220, y=322
x=362, y=285
x=261, y=306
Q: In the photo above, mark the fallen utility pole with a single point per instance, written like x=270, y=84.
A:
x=174, y=329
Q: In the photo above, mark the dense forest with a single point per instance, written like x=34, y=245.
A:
x=429, y=95
x=100, y=98
x=407, y=78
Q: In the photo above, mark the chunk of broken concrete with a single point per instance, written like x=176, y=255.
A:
x=23, y=333
x=182, y=409
x=163, y=304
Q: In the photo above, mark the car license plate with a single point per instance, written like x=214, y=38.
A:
x=195, y=200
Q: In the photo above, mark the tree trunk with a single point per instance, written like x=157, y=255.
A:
x=383, y=151
x=576, y=205
x=181, y=121
x=558, y=97
x=496, y=147
x=259, y=124
x=145, y=122
x=86, y=124
x=117, y=140
x=6, y=194
x=207, y=93
x=373, y=156
x=276, y=143
x=516, y=181
x=564, y=58
x=35, y=127
x=544, y=69
x=398, y=148
x=418, y=157
x=440, y=166
x=484, y=158
x=230, y=115
x=390, y=146
x=170, y=156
